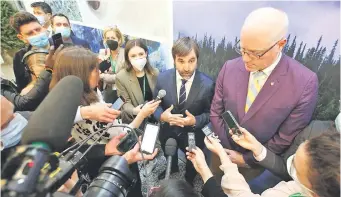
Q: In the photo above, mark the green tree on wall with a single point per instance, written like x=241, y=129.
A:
x=9, y=40
x=212, y=58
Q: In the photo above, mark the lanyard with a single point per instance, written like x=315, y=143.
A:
x=113, y=64
x=296, y=195
x=144, y=87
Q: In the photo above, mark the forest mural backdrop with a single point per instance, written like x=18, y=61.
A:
x=319, y=51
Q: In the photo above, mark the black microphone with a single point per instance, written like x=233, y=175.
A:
x=52, y=122
x=160, y=95
x=171, y=148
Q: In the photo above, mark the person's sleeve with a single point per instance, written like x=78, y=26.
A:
x=217, y=108
x=19, y=71
x=108, y=78
x=31, y=100
x=212, y=189
x=128, y=107
x=262, y=155
x=298, y=119
x=275, y=164
x=204, y=118
x=159, y=110
x=78, y=116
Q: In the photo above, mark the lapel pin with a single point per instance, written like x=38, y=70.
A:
x=272, y=83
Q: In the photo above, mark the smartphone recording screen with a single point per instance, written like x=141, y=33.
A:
x=229, y=120
x=149, y=138
x=118, y=104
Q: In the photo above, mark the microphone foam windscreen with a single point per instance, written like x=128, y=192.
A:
x=52, y=122
x=171, y=147
x=161, y=93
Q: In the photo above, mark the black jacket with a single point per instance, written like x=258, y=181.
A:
x=21, y=71
x=33, y=98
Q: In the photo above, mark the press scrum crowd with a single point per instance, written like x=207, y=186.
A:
x=276, y=149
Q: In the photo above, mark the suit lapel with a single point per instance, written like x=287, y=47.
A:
x=270, y=87
x=242, y=88
x=135, y=88
x=172, y=87
x=195, y=89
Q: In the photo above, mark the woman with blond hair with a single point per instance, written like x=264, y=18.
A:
x=112, y=61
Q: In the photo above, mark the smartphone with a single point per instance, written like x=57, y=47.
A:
x=191, y=141
x=57, y=40
x=208, y=131
x=118, y=104
x=127, y=142
x=231, y=123
x=150, y=135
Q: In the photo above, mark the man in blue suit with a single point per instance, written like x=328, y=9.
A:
x=61, y=24
x=186, y=107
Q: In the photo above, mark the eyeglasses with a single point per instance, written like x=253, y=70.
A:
x=241, y=51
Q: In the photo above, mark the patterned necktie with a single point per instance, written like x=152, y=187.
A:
x=254, y=88
x=182, y=95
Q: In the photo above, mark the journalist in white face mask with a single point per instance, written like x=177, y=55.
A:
x=12, y=125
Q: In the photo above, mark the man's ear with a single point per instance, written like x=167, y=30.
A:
x=21, y=37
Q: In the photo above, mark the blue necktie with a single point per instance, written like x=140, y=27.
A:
x=182, y=95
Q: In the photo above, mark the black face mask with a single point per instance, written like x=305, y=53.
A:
x=112, y=44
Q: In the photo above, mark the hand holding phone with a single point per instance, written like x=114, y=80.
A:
x=208, y=131
x=127, y=142
x=191, y=141
x=57, y=40
x=118, y=104
x=231, y=123
x=150, y=135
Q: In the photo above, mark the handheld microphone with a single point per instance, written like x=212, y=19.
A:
x=160, y=95
x=47, y=130
x=171, y=148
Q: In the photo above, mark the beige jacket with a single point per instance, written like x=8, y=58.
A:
x=234, y=185
x=128, y=87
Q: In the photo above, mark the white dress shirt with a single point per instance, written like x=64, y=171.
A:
x=78, y=114
x=188, y=84
x=267, y=72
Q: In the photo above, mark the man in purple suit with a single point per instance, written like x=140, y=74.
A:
x=270, y=94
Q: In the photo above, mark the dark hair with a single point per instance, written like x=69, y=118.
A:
x=22, y=18
x=184, y=46
x=129, y=45
x=175, y=188
x=44, y=6
x=61, y=15
x=324, y=164
x=79, y=62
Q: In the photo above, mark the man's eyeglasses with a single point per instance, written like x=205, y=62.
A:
x=241, y=51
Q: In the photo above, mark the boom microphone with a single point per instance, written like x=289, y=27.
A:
x=171, y=148
x=52, y=122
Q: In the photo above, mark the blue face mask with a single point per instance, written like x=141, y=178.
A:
x=65, y=31
x=41, y=40
x=11, y=134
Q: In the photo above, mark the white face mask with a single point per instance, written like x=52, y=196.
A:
x=41, y=19
x=292, y=172
x=11, y=134
x=139, y=63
